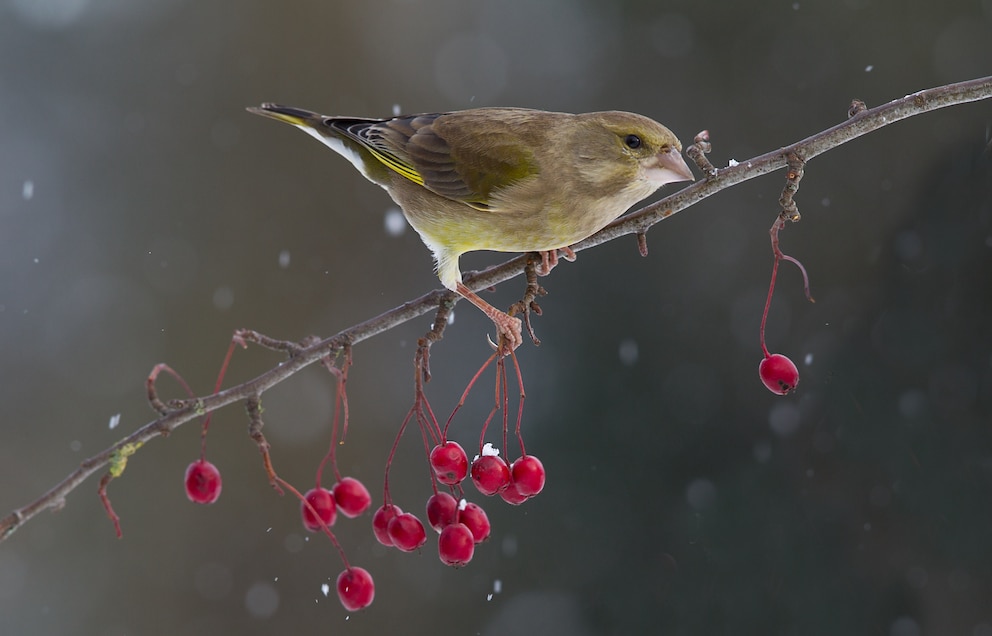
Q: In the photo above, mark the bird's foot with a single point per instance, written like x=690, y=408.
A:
x=549, y=259
x=509, y=330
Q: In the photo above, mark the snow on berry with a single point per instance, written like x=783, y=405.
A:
x=490, y=474
x=489, y=449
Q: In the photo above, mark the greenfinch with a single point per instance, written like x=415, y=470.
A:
x=502, y=179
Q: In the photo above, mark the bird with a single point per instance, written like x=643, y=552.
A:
x=502, y=179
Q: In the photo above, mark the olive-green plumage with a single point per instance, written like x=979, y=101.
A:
x=502, y=179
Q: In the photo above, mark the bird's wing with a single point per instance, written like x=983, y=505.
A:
x=466, y=161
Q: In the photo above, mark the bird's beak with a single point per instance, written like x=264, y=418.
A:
x=669, y=167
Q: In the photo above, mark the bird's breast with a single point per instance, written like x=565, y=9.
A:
x=530, y=226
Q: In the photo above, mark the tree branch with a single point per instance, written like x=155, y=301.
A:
x=861, y=122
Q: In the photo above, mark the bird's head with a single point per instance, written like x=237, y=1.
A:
x=627, y=152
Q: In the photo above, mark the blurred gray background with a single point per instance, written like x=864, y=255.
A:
x=144, y=216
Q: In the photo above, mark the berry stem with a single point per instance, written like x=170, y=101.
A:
x=157, y=404
x=340, y=411
x=501, y=389
x=768, y=299
x=424, y=426
x=777, y=227
x=386, y=499
x=468, y=389
x=802, y=269
x=316, y=516
x=485, y=427
x=502, y=399
x=220, y=379
x=427, y=419
x=520, y=405
x=105, y=500
x=278, y=483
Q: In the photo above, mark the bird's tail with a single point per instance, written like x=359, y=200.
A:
x=288, y=114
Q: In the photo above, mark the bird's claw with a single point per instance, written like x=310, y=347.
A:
x=549, y=259
x=510, y=332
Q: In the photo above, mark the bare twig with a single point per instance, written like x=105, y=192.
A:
x=861, y=122
x=528, y=304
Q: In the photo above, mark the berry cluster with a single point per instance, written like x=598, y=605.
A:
x=460, y=524
x=319, y=506
x=514, y=483
x=349, y=495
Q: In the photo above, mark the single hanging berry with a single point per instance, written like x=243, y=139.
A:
x=490, y=474
x=456, y=545
x=442, y=510
x=528, y=475
x=450, y=463
x=322, y=501
x=355, y=589
x=380, y=523
x=406, y=532
x=512, y=496
x=476, y=519
x=778, y=373
x=203, y=482
x=351, y=497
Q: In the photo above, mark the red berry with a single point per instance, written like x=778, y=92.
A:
x=323, y=502
x=202, y=482
x=352, y=497
x=512, y=495
x=528, y=475
x=355, y=589
x=475, y=518
x=407, y=532
x=450, y=463
x=380, y=522
x=490, y=474
x=442, y=510
x=778, y=374
x=456, y=545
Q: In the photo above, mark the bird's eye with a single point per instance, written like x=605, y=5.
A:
x=633, y=141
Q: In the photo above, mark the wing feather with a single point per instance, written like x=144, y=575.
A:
x=465, y=157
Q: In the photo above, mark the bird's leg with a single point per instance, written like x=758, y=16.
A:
x=508, y=329
x=549, y=259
